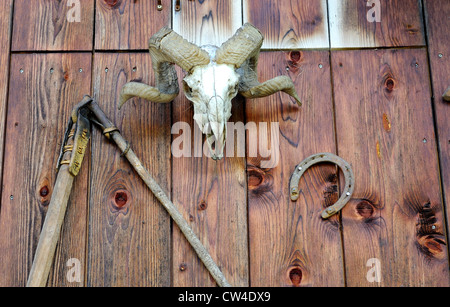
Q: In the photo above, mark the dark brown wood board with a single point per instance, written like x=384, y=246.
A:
x=375, y=23
x=289, y=25
x=384, y=122
x=213, y=197
x=207, y=22
x=129, y=230
x=43, y=90
x=438, y=22
x=128, y=24
x=5, y=35
x=290, y=244
x=49, y=25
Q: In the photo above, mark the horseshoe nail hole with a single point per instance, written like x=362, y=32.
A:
x=365, y=209
x=52, y=70
x=295, y=275
x=134, y=69
x=106, y=69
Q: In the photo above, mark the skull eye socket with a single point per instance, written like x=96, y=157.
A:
x=233, y=89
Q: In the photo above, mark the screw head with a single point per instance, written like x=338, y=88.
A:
x=81, y=70
x=320, y=66
x=21, y=71
x=440, y=55
x=348, y=194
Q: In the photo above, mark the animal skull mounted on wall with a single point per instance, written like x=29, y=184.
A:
x=214, y=77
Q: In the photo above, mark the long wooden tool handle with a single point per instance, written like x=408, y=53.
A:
x=51, y=229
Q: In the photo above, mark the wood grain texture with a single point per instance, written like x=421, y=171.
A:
x=290, y=244
x=5, y=35
x=45, y=25
x=128, y=24
x=43, y=90
x=438, y=22
x=208, y=22
x=129, y=231
x=400, y=23
x=289, y=24
x=213, y=197
x=385, y=130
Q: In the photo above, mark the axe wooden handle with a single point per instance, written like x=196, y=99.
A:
x=51, y=230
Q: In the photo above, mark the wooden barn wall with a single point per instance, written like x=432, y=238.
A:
x=371, y=93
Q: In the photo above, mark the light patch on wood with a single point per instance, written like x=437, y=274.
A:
x=344, y=28
x=366, y=24
x=290, y=25
x=208, y=22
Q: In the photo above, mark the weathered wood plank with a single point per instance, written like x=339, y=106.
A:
x=213, y=197
x=384, y=126
x=207, y=22
x=129, y=231
x=128, y=24
x=5, y=34
x=293, y=25
x=53, y=25
x=438, y=22
x=43, y=90
x=290, y=244
x=389, y=23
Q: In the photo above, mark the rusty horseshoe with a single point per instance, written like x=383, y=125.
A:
x=320, y=158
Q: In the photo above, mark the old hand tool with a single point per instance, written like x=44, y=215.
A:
x=320, y=158
x=70, y=159
x=112, y=133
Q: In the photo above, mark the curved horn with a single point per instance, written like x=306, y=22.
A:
x=166, y=49
x=242, y=51
x=244, y=45
x=281, y=83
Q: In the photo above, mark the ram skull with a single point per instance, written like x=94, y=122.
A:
x=214, y=77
